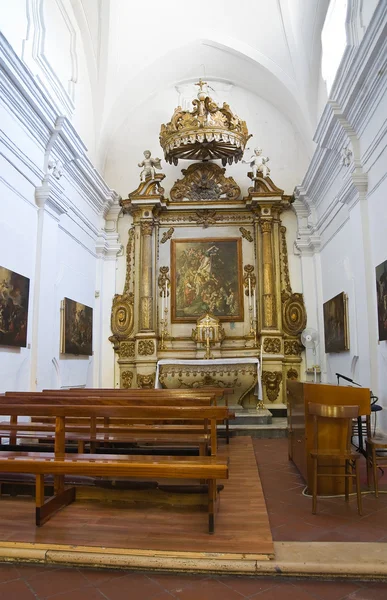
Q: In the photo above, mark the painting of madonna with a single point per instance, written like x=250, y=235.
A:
x=206, y=277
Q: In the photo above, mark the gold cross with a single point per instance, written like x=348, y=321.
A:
x=201, y=83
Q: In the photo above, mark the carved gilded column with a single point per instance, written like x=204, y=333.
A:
x=146, y=293
x=268, y=292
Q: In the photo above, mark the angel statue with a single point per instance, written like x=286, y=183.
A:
x=258, y=163
x=149, y=165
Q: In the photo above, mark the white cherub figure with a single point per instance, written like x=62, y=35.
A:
x=258, y=163
x=149, y=165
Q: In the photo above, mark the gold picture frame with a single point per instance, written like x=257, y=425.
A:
x=77, y=328
x=206, y=276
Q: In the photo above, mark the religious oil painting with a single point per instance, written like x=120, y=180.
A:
x=206, y=277
x=336, y=324
x=14, y=293
x=77, y=328
x=381, y=296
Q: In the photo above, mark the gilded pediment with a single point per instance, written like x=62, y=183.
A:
x=204, y=181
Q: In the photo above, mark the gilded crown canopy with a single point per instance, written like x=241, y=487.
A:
x=208, y=132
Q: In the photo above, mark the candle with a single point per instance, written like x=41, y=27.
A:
x=162, y=306
x=249, y=287
x=166, y=293
x=254, y=305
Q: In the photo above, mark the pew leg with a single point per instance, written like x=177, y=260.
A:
x=81, y=447
x=212, y=489
x=59, y=484
x=227, y=431
x=45, y=509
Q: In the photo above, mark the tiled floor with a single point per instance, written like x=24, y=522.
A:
x=290, y=519
x=290, y=512
x=41, y=583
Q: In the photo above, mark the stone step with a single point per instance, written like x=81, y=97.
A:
x=276, y=429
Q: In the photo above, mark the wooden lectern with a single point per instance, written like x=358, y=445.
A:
x=300, y=426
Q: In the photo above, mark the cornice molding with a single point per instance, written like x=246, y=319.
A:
x=107, y=245
x=30, y=104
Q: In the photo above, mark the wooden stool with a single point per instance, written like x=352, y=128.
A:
x=342, y=416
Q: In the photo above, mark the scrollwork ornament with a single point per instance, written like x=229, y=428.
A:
x=127, y=350
x=204, y=181
x=126, y=379
x=167, y=235
x=266, y=226
x=272, y=345
x=146, y=347
x=146, y=381
x=246, y=234
x=122, y=318
x=292, y=374
x=272, y=381
x=294, y=314
x=292, y=348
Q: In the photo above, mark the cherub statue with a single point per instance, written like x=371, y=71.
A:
x=149, y=165
x=346, y=156
x=258, y=163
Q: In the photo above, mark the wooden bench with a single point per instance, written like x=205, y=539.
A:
x=184, y=396
x=209, y=468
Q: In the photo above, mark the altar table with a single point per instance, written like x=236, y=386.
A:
x=242, y=374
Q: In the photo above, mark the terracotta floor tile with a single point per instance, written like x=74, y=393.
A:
x=247, y=586
x=132, y=585
x=284, y=591
x=177, y=582
x=97, y=576
x=85, y=593
x=50, y=582
x=209, y=589
x=329, y=590
x=16, y=590
x=8, y=572
x=368, y=593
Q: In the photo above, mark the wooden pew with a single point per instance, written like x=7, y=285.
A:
x=59, y=465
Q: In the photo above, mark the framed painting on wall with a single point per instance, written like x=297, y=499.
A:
x=206, y=276
x=336, y=324
x=381, y=297
x=77, y=328
x=14, y=294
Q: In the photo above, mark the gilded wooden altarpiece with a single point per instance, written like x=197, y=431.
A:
x=183, y=232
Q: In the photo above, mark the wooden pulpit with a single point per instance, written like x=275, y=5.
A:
x=300, y=426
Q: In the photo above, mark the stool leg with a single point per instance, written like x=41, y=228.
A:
x=358, y=490
x=346, y=481
x=368, y=459
x=314, y=488
x=375, y=472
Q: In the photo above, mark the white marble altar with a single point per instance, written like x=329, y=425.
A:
x=243, y=374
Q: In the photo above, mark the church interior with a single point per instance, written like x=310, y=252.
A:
x=193, y=299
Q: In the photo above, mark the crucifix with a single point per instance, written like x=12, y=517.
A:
x=201, y=84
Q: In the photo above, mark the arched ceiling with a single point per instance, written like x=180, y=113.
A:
x=270, y=48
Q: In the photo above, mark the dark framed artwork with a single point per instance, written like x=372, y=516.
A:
x=14, y=294
x=77, y=328
x=381, y=297
x=336, y=324
x=206, y=276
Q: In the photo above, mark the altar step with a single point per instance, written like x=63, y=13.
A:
x=259, y=423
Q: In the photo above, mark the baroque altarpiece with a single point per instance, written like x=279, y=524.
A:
x=205, y=249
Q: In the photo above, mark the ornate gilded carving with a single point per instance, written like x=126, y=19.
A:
x=127, y=350
x=167, y=235
x=146, y=227
x=208, y=381
x=205, y=217
x=146, y=381
x=246, y=234
x=204, y=181
x=122, y=315
x=272, y=345
x=146, y=312
x=272, y=381
x=147, y=190
x=126, y=379
x=146, y=347
x=207, y=133
x=249, y=280
x=292, y=348
x=266, y=226
x=293, y=314
x=292, y=374
x=163, y=279
x=285, y=278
